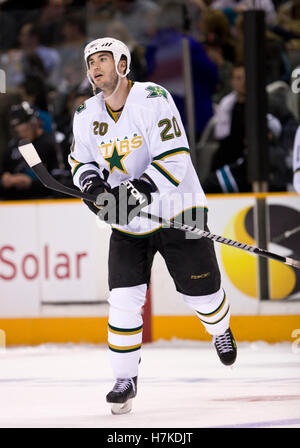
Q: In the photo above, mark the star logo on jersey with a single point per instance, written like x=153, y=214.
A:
x=80, y=108
x=156, y=91
x=115, y=160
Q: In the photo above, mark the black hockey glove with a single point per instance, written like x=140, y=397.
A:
x=92, y=183
x=123, y=203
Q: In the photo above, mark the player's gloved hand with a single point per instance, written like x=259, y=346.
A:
x=94, y=185
x=125, y=201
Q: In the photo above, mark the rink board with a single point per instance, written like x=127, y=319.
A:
x=53, y=274
x=34, y=331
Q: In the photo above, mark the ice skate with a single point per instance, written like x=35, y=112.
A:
x=120, y=397
x=226, y=347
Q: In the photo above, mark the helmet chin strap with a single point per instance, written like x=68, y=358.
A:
x=116, y=88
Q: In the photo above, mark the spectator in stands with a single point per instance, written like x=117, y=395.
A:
x=99, y=14
x=288, y=18
x=229, y=170
x=139, y=16
x=30, y=43
x=214, y=50
x=164, y=58
x=65, y=120
x=17, y=180
x=34, y=91
x=234, y=7
x=74, y=39
x=50, y=21
x=6, y=102
x=277, y=62
x=30, y=58
x=279, y=105
x=17, y=65
x=215, y=23
x=8, y=27
x=138, y=70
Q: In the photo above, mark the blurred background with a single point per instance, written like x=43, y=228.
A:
x=53, y=272
x=41, y=54
x=54, y=251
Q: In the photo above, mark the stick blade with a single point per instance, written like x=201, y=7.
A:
x=29, y=153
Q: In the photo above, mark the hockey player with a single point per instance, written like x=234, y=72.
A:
x=296, y=161
x=131, y=151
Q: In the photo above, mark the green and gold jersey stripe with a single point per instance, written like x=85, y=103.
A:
x=125, y=331
x=120, y=349
x=80, y=164
x=74, y=160
x=111, y=113
x=171, y=152
x=297, y=170
x=76, y=168
x=115, y=115
x=165, y=173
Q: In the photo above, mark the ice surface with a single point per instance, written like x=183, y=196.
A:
x=181, y=385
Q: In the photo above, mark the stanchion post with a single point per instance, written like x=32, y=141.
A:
x=256, y=132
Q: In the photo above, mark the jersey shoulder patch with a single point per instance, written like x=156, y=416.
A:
x=80, y=108
x=156, y=91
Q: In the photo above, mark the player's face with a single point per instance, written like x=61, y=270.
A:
x=102, y=70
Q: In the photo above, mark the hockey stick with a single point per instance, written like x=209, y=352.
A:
x=32, y=158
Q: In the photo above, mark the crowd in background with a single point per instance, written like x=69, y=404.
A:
x=41, y=53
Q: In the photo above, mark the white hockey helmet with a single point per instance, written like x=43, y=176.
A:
x=116, y=47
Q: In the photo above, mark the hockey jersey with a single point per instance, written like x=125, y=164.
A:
x=149, y=138
x=296, y=161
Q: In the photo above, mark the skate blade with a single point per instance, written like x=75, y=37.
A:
x=121, y=408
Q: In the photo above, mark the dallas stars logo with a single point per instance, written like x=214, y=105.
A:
x=115, y=160
x=156, y=91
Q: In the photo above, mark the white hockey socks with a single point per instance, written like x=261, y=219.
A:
x=125, y=329
x=213, y=310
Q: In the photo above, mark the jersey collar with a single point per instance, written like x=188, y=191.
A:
x=115, y=114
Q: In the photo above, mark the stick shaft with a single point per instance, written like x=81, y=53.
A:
x=45, y=177
x=222, y=240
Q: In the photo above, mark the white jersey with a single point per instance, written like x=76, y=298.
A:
x=296, y=161
x=148, y=138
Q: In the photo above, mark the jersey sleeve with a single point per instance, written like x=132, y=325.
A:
x=80, y=158
x=168, y=145
x=296, y=161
